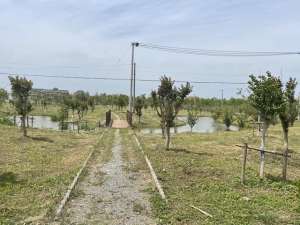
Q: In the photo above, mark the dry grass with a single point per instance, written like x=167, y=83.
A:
x=35, y=171
x=204, y=170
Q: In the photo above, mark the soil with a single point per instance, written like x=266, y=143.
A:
x=110, y=193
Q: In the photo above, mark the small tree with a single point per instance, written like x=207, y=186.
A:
x=81, y=105
x=288, y=116
x=20, y=92
x=157, y=105
x=241, y=119
x=227, y=119
x=139, y=104
x=167, y=101
x=3, y=96
x=266, y=98
x=192, y=118
x=63, y=115
x=91, y=102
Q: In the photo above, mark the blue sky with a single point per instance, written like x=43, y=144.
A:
x=92, y=38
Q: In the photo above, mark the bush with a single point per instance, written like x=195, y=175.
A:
x=241, y=120
x=54, y=118
x=216, y=115
x=227, y=119
x=6, y=121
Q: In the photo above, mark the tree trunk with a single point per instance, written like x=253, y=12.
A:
x=262, y=148
x=168, y=138
x=23, y=125
x=286, y=151
x=162, y=130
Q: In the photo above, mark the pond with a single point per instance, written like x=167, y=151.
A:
x=42, y=122
x=203, y=125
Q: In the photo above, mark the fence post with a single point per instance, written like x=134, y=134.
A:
x=244, y=163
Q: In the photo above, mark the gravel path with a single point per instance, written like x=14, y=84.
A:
x=110, y=194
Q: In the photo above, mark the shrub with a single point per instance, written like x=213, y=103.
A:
x=6, y=121
x=227, y=119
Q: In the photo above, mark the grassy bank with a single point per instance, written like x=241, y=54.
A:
x=35, y=171
x=203, y=170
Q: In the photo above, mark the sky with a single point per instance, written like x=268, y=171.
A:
x=92, y=38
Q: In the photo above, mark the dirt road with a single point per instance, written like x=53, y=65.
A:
x=113, y=192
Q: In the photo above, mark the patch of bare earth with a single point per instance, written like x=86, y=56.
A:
x=109, y=195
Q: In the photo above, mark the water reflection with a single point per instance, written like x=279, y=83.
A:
x=42, y=122
x=203, y=125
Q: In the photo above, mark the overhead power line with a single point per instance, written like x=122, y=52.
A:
x=207, y=52
x=116, y=79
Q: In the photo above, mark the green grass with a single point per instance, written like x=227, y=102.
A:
x=35, y=171
x=204, y=170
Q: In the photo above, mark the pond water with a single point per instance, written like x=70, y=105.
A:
x=203, y=125
x=42, y=122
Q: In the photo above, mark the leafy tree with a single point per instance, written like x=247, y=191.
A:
x=168, y=100
x=192, y=118
x=20, y=92
x=227, y=119
x=3, y=96
x=91, y=102
x=157, y=103
x=266, y=98
x=216, y=114
x=80, y=101
x=121, y=101
x=241, y=120
x=63, y=115
x=287, y=116
x=140, y=102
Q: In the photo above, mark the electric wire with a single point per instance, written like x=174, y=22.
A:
x=117, y=79
x=207, y=52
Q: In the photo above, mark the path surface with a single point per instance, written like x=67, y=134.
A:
x=111, y=194
x=118, y=123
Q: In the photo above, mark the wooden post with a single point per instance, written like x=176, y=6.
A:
x=244, y=163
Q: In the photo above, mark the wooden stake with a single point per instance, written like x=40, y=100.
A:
x=244, y=163
x=200, y=210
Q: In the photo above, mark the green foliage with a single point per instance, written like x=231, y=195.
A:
x=192, y=118
x=241, y=119
x=289, y=112
x=167, y=101
x=228, y=118
x=3, y=96
x=91, y=103
x=217, y=114
x=139, y=104
x=266, y=96
x=6, y=121
x=20, y=92
x=80, y=103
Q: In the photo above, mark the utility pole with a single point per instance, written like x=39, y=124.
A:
x=134, y=73
x=133, y=44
